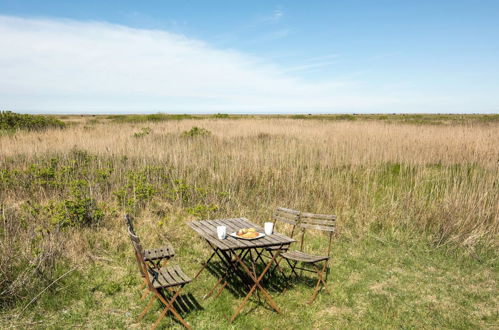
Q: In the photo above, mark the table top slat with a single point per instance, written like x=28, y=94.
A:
x=207, y=229
x=208, y=234
x=210, y=230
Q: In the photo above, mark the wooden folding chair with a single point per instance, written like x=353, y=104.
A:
x=160, y=282
x=286, y=217
x=285, y=220
x=155, y=257
x=320, y=222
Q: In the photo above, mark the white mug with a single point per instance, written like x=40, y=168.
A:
x=221, y=232
x=269, y=228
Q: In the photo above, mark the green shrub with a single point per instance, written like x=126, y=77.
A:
x=196, y=131
x=299, y=117
x=344, y=117
x=136, y=192
x=157, y=117
x=202, y=211
x=221, y=115
x=79, y=210
x=143, y=132
x=14, y=121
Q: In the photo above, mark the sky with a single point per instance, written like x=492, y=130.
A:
x=249, y=56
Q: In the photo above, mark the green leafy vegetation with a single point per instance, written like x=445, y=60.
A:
x=79, y=210
x=143, y=132
x=196, y=131
x=414, y=119
x=15, y=121
x=157, y=117
x=221, y=115
x=417, y=119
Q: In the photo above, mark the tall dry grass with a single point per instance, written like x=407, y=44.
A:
x=439, y=181
x=308, y=142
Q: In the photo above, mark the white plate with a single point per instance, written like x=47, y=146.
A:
x=260, y=235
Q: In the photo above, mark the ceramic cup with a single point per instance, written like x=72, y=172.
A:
x=221, y=232
x=269, y=228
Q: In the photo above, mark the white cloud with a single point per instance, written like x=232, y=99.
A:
x=314, y=64
x=274, y=17
x=278, y=13
x=49, y=65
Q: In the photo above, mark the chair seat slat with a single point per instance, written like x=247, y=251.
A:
x=303, y=257
x=169, y=276
x=173, y=274
x=182, y=275
x=160, y=253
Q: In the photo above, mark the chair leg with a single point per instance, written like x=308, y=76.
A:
x=204, y=265
x=145, y=290
x=292, y=266
x=149, y=305
x=144, y=294
x=169, y=307
x=325, y=270
x=278, y=267
x=260, y=258
x=320, y=280
x=161, y=316
x=325, y=285
x=221, y=289
x=208, y=295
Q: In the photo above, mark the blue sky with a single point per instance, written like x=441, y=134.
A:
x=249, y=57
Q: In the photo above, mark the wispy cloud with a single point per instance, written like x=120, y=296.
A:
x=314, y=64
x=274, y=17
x=268, y=36
x=277, y=15
x=52, y=65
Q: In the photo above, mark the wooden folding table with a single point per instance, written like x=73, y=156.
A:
x=239, y=256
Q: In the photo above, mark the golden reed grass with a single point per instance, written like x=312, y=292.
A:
x=442, y=179
x=306, y=141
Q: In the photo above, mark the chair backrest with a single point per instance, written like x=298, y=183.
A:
x=139, y=255
x=129, y=223
x=287, y=216
x=321, y=222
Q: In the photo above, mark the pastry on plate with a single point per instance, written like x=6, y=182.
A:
x=247, y=233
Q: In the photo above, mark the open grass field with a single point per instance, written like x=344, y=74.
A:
x=417, y=199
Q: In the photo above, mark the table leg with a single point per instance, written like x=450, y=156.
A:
x=204, y=265
x=236, y=269
x=255, y=286
x=230, y=267
x=271, y=253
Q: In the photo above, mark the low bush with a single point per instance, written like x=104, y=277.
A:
x=196, y=131
x=156, y=117
x=143, y=132
x=14, y=121
x=78, y=210
x=221, y=116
